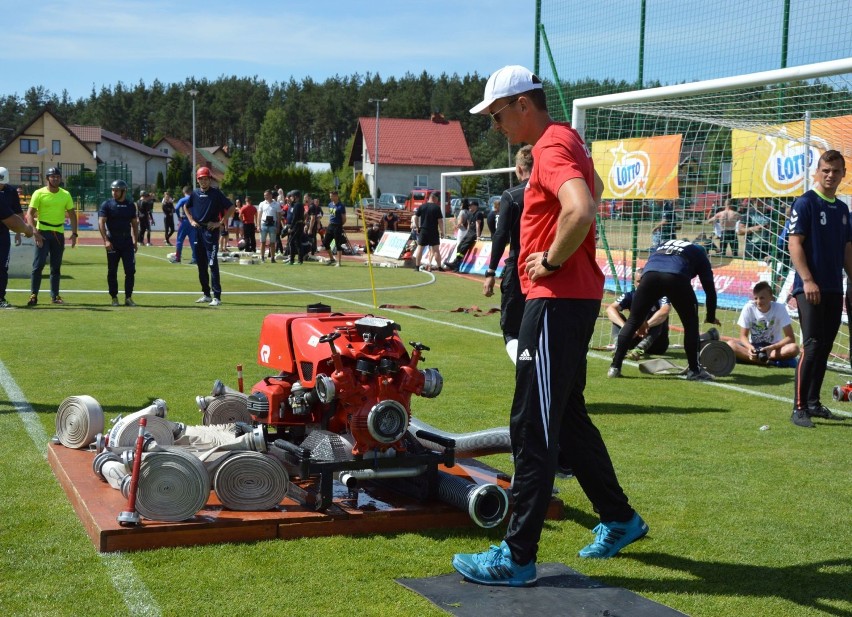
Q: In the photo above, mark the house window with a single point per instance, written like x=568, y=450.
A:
x=29, y=146
x=421, y=181
x=30, y=175
x=56, y=146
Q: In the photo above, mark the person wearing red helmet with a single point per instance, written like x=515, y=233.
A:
x=208, y=210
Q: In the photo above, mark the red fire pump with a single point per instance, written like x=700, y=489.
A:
x=340, y=407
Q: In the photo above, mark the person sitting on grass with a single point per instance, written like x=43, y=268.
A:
x=652, y=337
x=766, y=331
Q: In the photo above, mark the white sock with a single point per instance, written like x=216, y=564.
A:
x=512, y=350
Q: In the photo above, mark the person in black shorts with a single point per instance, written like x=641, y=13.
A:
x=336, y=220
x=425, y=223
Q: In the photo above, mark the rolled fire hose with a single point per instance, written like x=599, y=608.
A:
x=717, y=358
x=224, y=409
x=250, y=481
x=468, y=445
x=173, y=486
x=123, y=434
x=487, y=504
x=78, y=420
x=214, y=436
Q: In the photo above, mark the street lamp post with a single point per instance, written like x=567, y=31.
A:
x=378, y=103
x=193, y=93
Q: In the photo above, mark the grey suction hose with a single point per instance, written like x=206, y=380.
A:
x=468, y=445
x=487, y=504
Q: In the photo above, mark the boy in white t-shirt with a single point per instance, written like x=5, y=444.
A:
x=766, y=331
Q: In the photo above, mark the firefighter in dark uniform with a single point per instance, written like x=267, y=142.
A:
x=119, y=227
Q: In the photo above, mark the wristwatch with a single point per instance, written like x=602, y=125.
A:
x=547, y=266
x=74, y=235
x=490, y=272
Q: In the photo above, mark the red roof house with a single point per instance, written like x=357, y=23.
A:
x=411, y=153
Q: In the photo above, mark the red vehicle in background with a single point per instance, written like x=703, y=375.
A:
x=417, y=197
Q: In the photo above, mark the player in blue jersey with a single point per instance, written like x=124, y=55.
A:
x=185, y=230
x=119, y=227
x=209, y=211
x=820, y=244
x=669, y=272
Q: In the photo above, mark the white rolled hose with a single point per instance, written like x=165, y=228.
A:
x=250, y=481
x=78, y=420
x=173, y=486
x=124, y=432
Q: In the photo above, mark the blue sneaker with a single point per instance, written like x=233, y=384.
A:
x=494, y=567
x=612, y=537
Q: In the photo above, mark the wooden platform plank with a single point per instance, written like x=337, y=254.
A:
x=374, y=511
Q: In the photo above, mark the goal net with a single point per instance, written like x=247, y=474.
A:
x=718, y=163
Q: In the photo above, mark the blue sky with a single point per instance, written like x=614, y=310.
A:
x=93, y=43
x=75, y=46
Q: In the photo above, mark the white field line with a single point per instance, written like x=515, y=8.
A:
x=134, y=593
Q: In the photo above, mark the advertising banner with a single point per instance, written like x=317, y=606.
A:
x=775, y=165
x=642, y=168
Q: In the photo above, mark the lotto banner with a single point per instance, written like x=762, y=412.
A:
x=644, y=168
x=775, y=166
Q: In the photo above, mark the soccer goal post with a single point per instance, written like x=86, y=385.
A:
x=674, y=157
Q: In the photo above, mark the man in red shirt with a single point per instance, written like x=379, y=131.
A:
x=549, y=424
x=247, y=215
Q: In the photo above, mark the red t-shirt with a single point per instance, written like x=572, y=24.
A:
x=248, y=213
x=559, y=155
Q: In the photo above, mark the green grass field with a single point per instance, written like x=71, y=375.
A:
x=743, y=521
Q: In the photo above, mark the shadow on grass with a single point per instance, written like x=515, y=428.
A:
x=812, y=585
x=769, y=379
x=7, y=407
x=629, y=408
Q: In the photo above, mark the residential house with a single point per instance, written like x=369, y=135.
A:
x=215, y=158
x=43, y=143
x=411, y=154
x=144, y=163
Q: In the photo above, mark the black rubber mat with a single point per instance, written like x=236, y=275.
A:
x=560, y=591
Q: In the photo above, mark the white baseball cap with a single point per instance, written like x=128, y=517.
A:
x=508, y=81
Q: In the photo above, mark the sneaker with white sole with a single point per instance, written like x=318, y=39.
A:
x=215, y=302
x=5, y=305
x=495, y=567
x=614, y=536
x=613, y=372
x=204, y=300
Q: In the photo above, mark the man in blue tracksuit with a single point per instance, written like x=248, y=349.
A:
x=209, y=211
x=669, y=272
x=119, y=227
x=184, y=228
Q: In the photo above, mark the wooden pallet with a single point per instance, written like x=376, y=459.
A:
x=377, y=511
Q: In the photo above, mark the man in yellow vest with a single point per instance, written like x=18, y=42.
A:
x=47, y=211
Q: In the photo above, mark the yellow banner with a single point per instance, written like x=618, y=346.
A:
x=642, y=168
x=775, y=165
